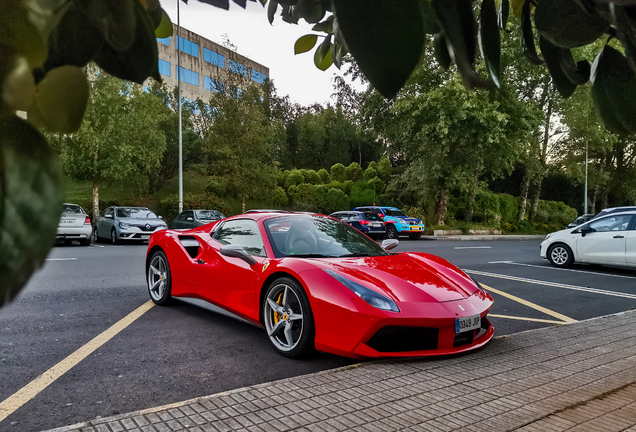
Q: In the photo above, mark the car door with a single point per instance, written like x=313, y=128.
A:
x=630, y=244
x=104, y=224
x=231, y=282
x=606, y=241
x=188, y=221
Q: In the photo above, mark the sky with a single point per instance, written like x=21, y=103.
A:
x=269, y=45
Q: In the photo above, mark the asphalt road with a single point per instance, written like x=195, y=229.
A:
x=175, y=353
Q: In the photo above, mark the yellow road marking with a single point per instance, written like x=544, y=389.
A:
x=531, y=305
x=28, y=392
x=525, y=319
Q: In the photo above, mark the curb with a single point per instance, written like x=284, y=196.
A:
x=103, y=420
x=484, y=238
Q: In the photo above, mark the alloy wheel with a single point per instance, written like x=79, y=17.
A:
x=113, y=237
x=392, y=233
x=157, y=277
x=559, y=255
x=283, y=317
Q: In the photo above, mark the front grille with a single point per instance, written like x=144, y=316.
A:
x=413, y=223
x=465, y=338
x=143, y=228
x=403, y=339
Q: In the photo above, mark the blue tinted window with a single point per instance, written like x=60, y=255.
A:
x=189, y=47
x=238, y=68
x=192, y=105
x=214, y=57
x=258, y=77
x=236, y=92
x=188, y=76
x=164, y=67
x=165, y=41
x=213, y=85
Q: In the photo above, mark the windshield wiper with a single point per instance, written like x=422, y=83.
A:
x=310, y=256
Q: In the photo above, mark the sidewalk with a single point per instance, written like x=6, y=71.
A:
x=578, y=377
x=504, y=237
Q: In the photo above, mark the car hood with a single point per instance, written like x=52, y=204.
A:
x=141, y=221
x=412, y=277
x=405, y=219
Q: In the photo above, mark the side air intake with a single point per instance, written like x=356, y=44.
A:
x=191, y=245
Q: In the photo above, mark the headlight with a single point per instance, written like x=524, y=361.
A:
x=478, y=285
x=373, y=298
x=123, y=225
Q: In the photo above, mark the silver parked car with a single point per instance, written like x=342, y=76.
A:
x=188, y=219
x=74, y=225
x=127, y=223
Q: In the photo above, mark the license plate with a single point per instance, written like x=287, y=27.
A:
x=377, y=225
x=416, y=228
x=467, y=323
x=145, y=237
x=66, y=221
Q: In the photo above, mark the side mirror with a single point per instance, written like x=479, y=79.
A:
x=108, y=216
x=389, y=244
x=188, y=219
x=160, y=217
x=237, y=251
x=586, y=230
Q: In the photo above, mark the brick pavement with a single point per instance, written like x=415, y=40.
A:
x=578, y=377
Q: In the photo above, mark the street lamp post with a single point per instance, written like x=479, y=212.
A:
x=178, y=40
x=585, y=195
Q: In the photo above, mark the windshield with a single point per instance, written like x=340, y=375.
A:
x=318, y=237
x=393, y=212
x=72, y=208
x=210, y=215
x=132, y=212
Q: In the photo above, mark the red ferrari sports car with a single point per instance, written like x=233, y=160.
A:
x=314, y=282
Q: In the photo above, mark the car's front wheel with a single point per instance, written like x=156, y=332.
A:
x=560, y=255
x=392, y=232
x=159, y=278
x=288, y=318
x=113, y=237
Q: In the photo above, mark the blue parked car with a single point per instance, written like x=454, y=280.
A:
x=368, y=223
x=396, y=222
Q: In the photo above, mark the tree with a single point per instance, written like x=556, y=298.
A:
x=120, y=139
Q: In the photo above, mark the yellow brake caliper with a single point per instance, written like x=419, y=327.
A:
x=276, y=314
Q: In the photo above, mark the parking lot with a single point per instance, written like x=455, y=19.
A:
x=169, y=354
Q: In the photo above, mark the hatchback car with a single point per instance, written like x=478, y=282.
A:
x=608, y=240
x=397, y=223
x=368, y=223
x=74, y=225
x=189, y=219
x=127, y=223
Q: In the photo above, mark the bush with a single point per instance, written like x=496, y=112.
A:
x=369, y=173
x=555, y=212
x=282, y=177
x=384, y=169
x=416, y=212
x=312, y=177
x=170, y=205
x=294, y=178
x=376, y=184
x=338, y=172
x=343, y=186
x=508, y=206
x=216, y=186
x=324, y=175
x=361, y=195
x=354, y=172
x=337, y=200
x=279, y=197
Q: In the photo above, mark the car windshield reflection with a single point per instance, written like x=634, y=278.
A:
x=135, y=213
x=318, y=237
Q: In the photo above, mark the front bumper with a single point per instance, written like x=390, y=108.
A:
x=410, y=229
x=135, y=233
x=545, y=244
x=74, y=233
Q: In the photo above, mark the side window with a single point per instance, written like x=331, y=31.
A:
x=353, y=216
x=611, y=223
x=242, y=232
x=188, y=214
x=182, y=216
x=109, y=211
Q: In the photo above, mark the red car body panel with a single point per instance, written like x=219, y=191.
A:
x=429, y=291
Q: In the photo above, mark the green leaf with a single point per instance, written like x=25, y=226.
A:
x=155, y=15
x=165, y=28
x=429, y=19
x=271, y=10
x=61, y=100
x=115, y=20
x=551, y=55
x=139, y=61
x=579, y=72
x=223, y=4
x=310, y=10
x=614, y=91
x=517, y=7
x=290, y=14
x=386, y=38
x=502, y=15
x=489, y=40
x=567, y=24
x=441, y=51
x=322, y=56
x=326, y=26
x=527, y=37
x=18, y=88
x=305, y=43
x=19, y=33
x=30, y=203
x=625, y=21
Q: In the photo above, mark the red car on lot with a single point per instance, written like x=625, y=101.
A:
x=314, y=282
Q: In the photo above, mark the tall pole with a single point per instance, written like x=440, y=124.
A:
x=585, y=196
x=178, y=38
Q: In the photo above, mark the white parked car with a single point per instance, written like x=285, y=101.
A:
x=607, y=240
x=74, y=225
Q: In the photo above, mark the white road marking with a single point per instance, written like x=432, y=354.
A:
x=562, y=269
x=60, y=259
x=556, y=285
x=473, y=247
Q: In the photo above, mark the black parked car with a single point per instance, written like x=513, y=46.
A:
x=368, y=223
x=189, y=219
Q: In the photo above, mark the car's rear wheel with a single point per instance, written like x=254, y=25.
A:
x=560, y=255
x=288, y=318
x=96, y=238
x=392, y=232
x=159, y=278
x=415, y=236
x=113, y=236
